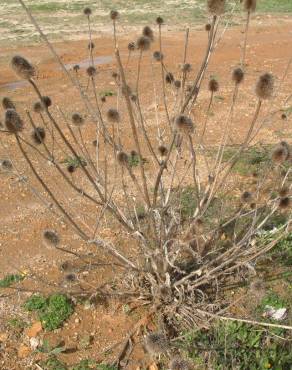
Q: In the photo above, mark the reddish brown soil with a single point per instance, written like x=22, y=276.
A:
x=23, y=217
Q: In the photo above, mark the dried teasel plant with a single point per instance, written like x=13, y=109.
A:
x=155, y=183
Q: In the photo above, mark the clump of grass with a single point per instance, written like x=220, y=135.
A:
x=11, y=279
x=52, y=363
x=52, y=311
x=231, y=344
x=75, y=162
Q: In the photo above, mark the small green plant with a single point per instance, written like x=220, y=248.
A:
x=75, y=162
x=134, y=160
x=188, y=202
x=273, y=300
x=52, y=351
x=238, y=345
x=52, y=311
x=17, y=323
x=8, y=280
x=107, y=93
x=52, y=363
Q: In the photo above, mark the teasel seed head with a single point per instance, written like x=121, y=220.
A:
x=47, y=101
x=6, y=164
x=51, y=238
x=179, y=363
x=7, y=103
x=87, y=11
x=246, y=197
x=143, y=43
x=147, y=32
x=77, y=119
x=156, y=343
x=103, y=98
x=283, y=116
x=285, y=203
x=216, y=7
x=280, y=154
x=131, y=46
x=250, y=5
x=133, y=98
x=113, y=115
x=237, y=75
x=76, y=68
x=213, y=85
x=115, y=75
x=169, y=78
x=158, y=56
x=91, y=45
x=284, y=192
x=253, y=205
x=186, y=67
x=38, y=135
x=265, y=86
x=91, y=71
x=208, y=27
x=38, y=107
x=13, y=122
x=94, y=143
x=184, y=124
x=22, y=67
x=177, y=84
x=114, y=15
x=159, y=21
x=162, y=150
x=122, y=158
x=71, y=168
x=70, y=278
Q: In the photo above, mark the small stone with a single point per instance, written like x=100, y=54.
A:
x=77, y=321
x=34, y=343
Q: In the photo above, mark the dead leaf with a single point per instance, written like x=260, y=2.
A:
x=34, y=330
x=23, y=351
x=153, y=366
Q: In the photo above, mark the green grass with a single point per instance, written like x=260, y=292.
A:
x=52, y=363
x=75, y=162
x=233, y=345
x=52, y=311
x=11, y=279
x=274, y=6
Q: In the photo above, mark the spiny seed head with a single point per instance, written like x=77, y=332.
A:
x=131, y=46
x=51, y=238
x=22, y=67
x=250, y=5
x=70, y=278
x=115, y=75
x=177, y=84
x=184, y=124
x=103, y=98
x=285, y=203
x=6, y=164
x=134, y=153
x=87, y=11
x=91, y=45
x=283, y=192
x=147, y=32
x=216, y=7
x=159, y=21
x=114, y=14
x=213, y=85
x=122, y=158
x=246, y=197
x=265, y=86
x=156, y=343
x=208, y=27
x=7, y=103
x=94, y=143
x=169, y=78
x=38, y=107
x=133, y=98
x=91, y=71
x=162, y=150
x=71, y=168
x=237, y=75
x=76, y=68
x=284, y=116
x=179, y=363
x=113, y=115
x=280, y=154
x=77, y=119
x=186, y=67
x=13, y=122
x=143, y=43
x=47, y=101
x=158, y=56
x=38, y=135
x=253, y=205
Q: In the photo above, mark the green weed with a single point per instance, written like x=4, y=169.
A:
x=10, y=279
x=52, y=311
